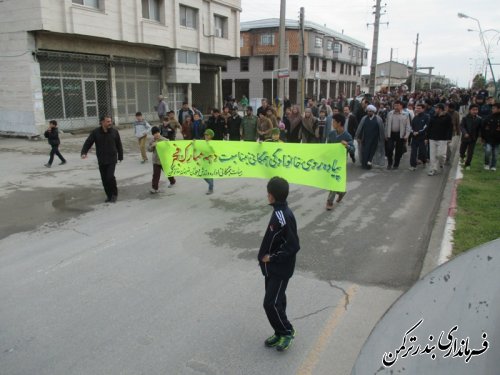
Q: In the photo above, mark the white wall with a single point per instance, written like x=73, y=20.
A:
x=21, y=103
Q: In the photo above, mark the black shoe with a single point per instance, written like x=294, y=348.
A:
x=63, y=162
x=113, y=199
x=107, y=200
x=48, y=165
x=395, y=167
x=389, y=167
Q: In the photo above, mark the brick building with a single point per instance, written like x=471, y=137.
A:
x=332, y=62
x=73, y=60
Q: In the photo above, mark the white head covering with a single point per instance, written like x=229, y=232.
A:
x=372, y=108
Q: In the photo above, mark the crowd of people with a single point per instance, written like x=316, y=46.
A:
x=376, y=130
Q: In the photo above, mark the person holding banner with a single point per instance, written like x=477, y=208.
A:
x=209, y=135
x=339, y=135
x=157, y=168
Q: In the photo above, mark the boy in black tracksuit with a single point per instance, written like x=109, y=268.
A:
x=277, y=261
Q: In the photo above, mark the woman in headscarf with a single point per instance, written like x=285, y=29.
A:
x=307, y=132
x=295, y=119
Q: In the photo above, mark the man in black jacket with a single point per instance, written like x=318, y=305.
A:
x=470, y=127
x=439, y=132
x=418, y=128
x=277, y=262
x=109, y=150
x=490, y=134
x=217, y=124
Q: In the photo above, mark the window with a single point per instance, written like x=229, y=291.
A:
x=337, y=47
x=151, y=9
x=241, y=41
x=318, y=42
x=187, y=57
x=365, y=54
x=268, y=63
x=350, y=51
x=294, y=63
x=220, y=24
x=311, y=64
x=244, y=64
x=267, y=40
x=329, y=45
x=188, y=16
x=334, y=66
x=88, y=3
x=342, y=68
x=323, y=67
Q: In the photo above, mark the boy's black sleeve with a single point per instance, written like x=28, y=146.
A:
x=289, y=241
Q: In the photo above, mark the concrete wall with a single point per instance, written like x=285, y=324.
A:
x=21, y=101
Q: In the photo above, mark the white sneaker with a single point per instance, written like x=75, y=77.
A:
x=153, y=191
x=467, y=168
x=432, y=173
x=493, y=169
x=412, y=168
x=486, y=167
x=170, y=185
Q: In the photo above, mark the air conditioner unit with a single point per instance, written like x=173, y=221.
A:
x=218, y=33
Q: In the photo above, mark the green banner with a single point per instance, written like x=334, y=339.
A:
x=313, y=164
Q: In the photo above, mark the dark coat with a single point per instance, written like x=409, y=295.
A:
x=108, y=145
x=280, y=242
x=52, y=137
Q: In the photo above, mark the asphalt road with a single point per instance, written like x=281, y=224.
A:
x=169, y=283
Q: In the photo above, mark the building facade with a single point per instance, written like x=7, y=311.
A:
x=74, y=60
x=332, y=61
x=394, y=74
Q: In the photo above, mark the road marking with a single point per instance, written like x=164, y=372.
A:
x=309, y=364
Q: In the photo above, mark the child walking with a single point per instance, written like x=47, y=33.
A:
x=157, y=168
x=141, y=128
x=277, y=262
x=209, y=135
x=52, y=135
x=339, y=135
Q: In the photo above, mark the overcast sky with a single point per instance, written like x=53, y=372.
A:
x=445, y=42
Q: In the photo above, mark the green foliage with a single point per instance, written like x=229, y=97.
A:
x=478, y=202
x=478, y=82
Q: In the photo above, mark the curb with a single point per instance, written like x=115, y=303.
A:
x=440, y=241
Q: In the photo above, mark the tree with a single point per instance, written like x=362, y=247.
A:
x=478, y=82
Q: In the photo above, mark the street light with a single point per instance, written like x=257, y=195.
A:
x=481, y=37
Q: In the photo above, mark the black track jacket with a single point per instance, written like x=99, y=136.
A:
x=280, y=242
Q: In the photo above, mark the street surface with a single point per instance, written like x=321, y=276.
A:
x=169, y=283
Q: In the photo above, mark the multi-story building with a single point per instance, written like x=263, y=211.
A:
x=332, y=61
x=73, y=60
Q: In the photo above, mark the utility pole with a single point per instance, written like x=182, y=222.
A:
x=300, y=73
x=282, y=62
x=390, y=72
x=414, y=72
x=373, y=66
